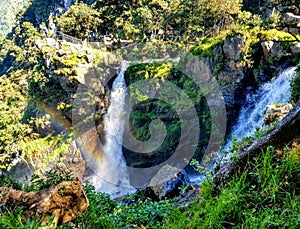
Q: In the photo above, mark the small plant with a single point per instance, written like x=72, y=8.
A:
x=51, y=178
x=15, y=220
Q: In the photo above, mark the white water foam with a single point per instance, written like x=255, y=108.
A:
x=251, y=116
x=112, y=170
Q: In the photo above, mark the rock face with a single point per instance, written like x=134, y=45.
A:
x=65, y=201
x=71, y=161
x=290, y=17
x=75, y=72
x=173, y=179
x=296, y=49
x=232, y=46
x=272, y=49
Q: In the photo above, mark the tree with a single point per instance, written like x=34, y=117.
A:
x=79, y=20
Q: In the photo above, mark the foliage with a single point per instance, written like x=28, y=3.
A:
x=41, y=151
x=37, y=12
x=149, y=109
x=205, y=47
x=140, y=18
x=24, y=79
x=8, y=11
x=13, y=219
x=50, y=178
x=135, y=211
x=13, y=102
x=296, y=86
x=79, y=21
x=264, y=196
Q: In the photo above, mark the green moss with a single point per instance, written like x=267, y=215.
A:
x=205, y=46
x=286, y=39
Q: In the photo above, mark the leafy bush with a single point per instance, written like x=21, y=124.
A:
x=133, y=211
x=79, y=21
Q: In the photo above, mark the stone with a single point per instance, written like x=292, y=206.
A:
x=39, y=43
x=231, y=47
x=51, y=42
x=296, y=49
x=65, y=201
x=276, y=111
x=234, y=66
x=167, y=181
x=290, y=17
x=272, y=49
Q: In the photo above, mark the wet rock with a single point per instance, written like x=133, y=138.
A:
x=276, y=111
x=21, y=172
x=65, y=201
x=167, y=182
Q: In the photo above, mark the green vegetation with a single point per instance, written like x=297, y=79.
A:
x=296, y=86
x=264, y=194
x=79, y=21
x=138, y=18
x=148, y=109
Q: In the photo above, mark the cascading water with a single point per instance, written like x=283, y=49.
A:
x=113, y=171
x=251, y=116
x=67, y=4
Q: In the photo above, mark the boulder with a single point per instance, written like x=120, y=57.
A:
x=296, y=49
x=167, y=182
x=276, y=111
x=290, y=17
x=51, y=42
x=65, y=201
x=231, y=47
x=272, y=50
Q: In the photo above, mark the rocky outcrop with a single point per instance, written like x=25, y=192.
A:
x=232, y=46
x=70, y=161
x=296, y=50
x=65, y=201
x=172, y=178
x=290, y=17
x=272, y=49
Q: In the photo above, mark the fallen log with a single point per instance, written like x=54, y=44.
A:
x=287, y=130
x=65, y=201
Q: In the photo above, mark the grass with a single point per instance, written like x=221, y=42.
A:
x=265, y=195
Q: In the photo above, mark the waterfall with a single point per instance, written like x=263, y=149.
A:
x=67, y=4
x=251, y=116
x=112, y=170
